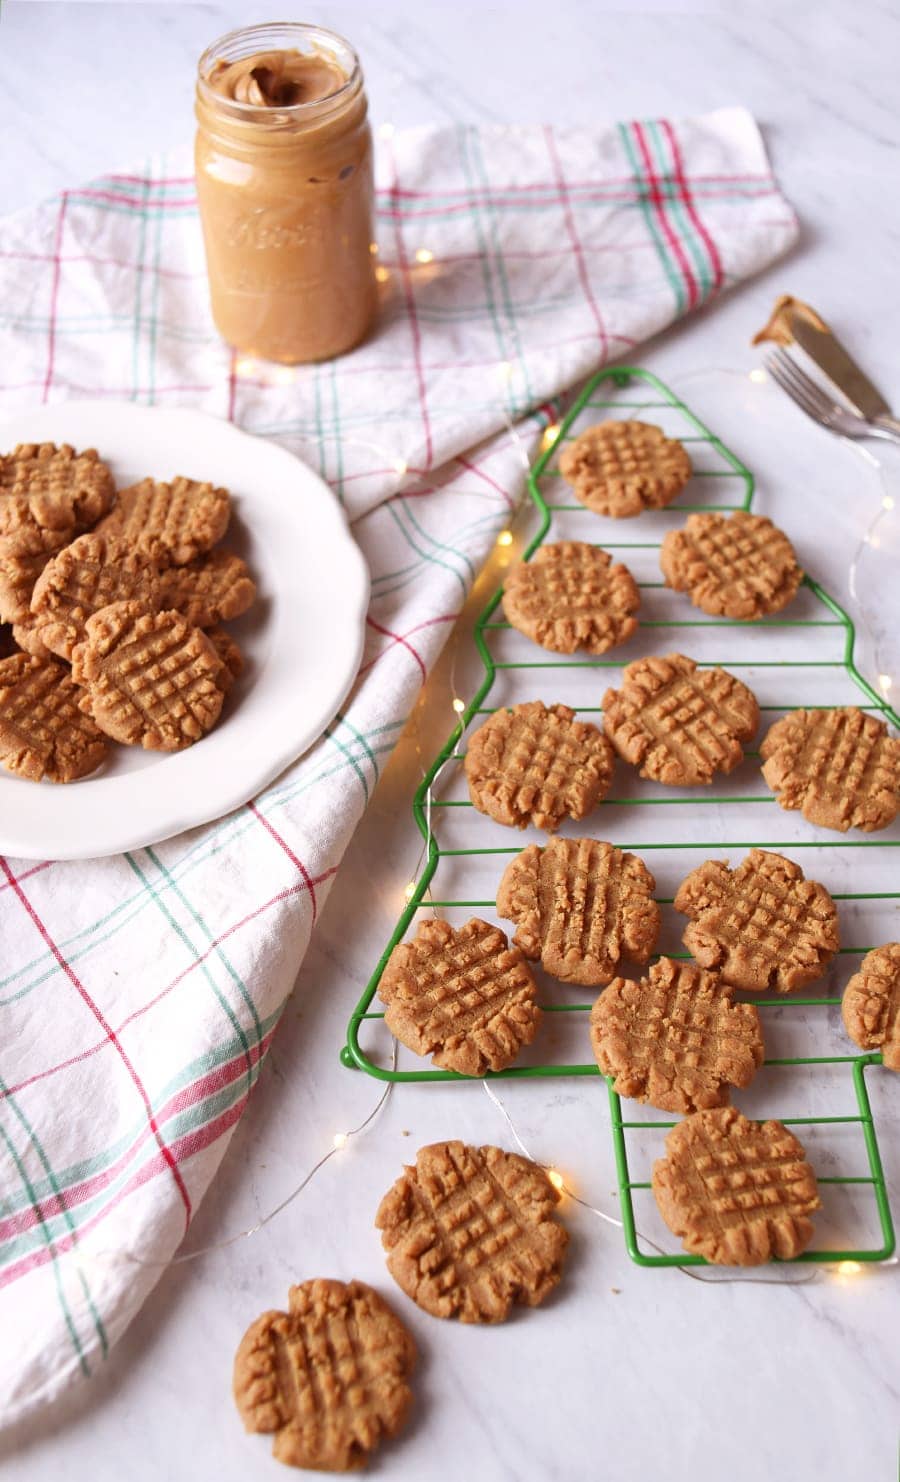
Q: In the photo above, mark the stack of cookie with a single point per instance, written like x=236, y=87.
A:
x=115, y=604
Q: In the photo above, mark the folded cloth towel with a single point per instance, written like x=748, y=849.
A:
x=140, y=993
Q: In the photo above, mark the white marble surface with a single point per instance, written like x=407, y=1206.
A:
x=626, y=1374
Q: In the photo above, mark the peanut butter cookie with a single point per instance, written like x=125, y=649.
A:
x=675, y=1039
x=469, y=1231
x=27, y=635
x=679, y=724
x=736, y=566
x=737, y=1192
x=93, y=572
x=840, y=767
x=43, y=731
x=871, y=1004
x=571, y=596
x=213, y=589
x=764, y=926
x=537, y=764
x=170, y=524
x=465, y=997
x=43, y=486
x=622, y=468
x=582, y=907
x=327, y=1378
x=229, y=653
x=151, y=679
x=23, y=556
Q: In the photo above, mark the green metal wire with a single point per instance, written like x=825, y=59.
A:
x=354, y=1056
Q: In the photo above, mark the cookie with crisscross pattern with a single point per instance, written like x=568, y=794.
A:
x=676, y=1038
x=151, y=679
x=469, y=1231
x=736, y=566
x=581, y=906
x=463, y=996
x=170, y=524
x=23, y=556
x=212, y=589
x=871, y=1004
x=737, y=1192
x=679, y=724
x=622, y=468
x=840, y=767
x=328, y=1378
x=43, y=730
x=93, y=572
x=763, y=926
x=537, y=764
x=45, y=486
x=570, y=595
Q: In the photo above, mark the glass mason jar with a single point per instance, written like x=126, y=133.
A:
x=285, y=187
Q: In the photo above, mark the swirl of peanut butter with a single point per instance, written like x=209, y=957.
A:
x=277, y=79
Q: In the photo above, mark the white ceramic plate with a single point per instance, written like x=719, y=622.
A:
x=302, y=641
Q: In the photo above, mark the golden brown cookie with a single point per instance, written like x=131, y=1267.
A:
x=327, y=1378
x=736, y=566
x=213, y=589
x=622, y=468
x=23, y=556
x=229, y=653
x=151, y=679
x=737, y=1192
x=679, y=724
x=840, y=767
x=571, y=596
x=93, y=572
x=581, y=906
x=676, y=1039
x=469, y=1231
x=871, y=1004
x=170, y=524
x=43, y=731
x=764, y=926
x=537, y=764
x=45, y=486
x=465, y=997
x=27, y=635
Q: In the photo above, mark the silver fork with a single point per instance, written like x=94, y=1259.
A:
x=817, y=403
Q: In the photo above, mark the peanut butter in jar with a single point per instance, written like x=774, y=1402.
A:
x=285, y=187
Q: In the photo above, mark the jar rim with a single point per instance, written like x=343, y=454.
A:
x=257, y=34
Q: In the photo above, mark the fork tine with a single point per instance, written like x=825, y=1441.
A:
x=795, y=392
x=804, y=385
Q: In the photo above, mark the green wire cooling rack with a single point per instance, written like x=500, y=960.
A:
x=784, y=641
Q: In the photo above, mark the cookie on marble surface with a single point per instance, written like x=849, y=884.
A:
x=622, y=468
x=469, y=1231
x=45, y=486
x=840, y=767
x=93, y=572
x=462, y=995
x=43, y=730
x=328, y=1378
x=763, y=925
x=170, y=524
x=582, y=907
x=735, y=566
x=150, y=678
x=537, y=764
x=737, y=1192
x=677, y=723
x=676, y=1039
x=571, y=596
x=871, y=1004
x=212, y=589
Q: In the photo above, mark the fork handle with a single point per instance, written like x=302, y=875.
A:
x=886, y=426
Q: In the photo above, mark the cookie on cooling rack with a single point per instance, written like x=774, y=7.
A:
x=735, y=566
x=622, y=468
x=571, y=596
x=582, y=907
x=470, y=1231
x=679, y=724
x=675, y=1038
x=50, y=487
x=763, y=926
x=871, y=1004
x=171, y=524
x=43, y=730
x=463, y=996
x=537, y=764
x=840, y=767
x=327, y=1378
x=737, y=1192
